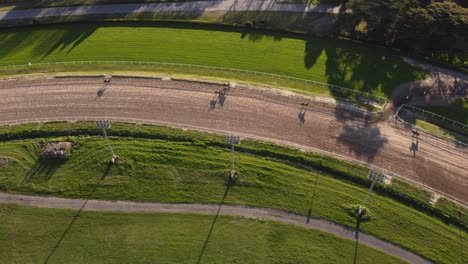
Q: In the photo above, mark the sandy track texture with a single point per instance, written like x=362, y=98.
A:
x=272, y=116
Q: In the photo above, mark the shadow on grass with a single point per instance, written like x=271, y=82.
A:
x=229, y=183
x=356, y=236
x=312, y=200
x=353, y=65
x=62, y=38
x=43, y=169
x=54, y=249
x=361, y=69
x=462, y=252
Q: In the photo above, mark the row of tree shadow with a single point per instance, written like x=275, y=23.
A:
x=347, y=64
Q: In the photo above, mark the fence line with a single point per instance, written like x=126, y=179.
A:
x=456, y=148
x=443, y=118
x=455, y=142
x=153, y=122
x=367, y=98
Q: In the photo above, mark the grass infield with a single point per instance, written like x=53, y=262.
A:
x=113, y=237
x=456, y=110
x=171, y=165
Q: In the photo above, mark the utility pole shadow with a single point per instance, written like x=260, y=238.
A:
x=462, y=254
x=229, y=183
x=309, y=213
x=109, y=166
x=356, y=236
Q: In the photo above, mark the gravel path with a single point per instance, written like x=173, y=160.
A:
x=199, y=7
x=263, y=213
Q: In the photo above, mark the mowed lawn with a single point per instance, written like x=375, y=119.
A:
x=353, y=65
x=195, y=171
x=28, y=235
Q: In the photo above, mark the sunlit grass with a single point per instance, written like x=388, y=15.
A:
x=344, y=63
x=110, y=237
x=177, y=166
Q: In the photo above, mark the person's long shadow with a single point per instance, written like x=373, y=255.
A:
x=356, y=236
x=109, y=166
x=229, y=183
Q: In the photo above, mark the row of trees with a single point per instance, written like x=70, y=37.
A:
x=434, y=28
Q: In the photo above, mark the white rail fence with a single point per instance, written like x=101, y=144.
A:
x=433, y=117
x=162, y=123
x=431, y=136
x=342, y=93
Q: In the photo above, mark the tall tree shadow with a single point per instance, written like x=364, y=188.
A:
x=43, y=170
x=45, y=41
x=63, y=40
x=54, y=249
x=367, y=69
x=312, y=52
x=362, y=139
x=229, y=183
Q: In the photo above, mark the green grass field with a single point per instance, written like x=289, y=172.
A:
x=177, y=166
x=353, y=65
x=456, y=110
x=30, y=234
x=441, y=131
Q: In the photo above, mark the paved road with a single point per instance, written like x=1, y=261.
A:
x=264, y=213
x=190, y=7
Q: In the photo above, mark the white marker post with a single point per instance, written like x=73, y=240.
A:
x=375, y=177
x=232, y=140
x=103, y=125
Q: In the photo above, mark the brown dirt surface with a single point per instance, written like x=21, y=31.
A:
x=440, y=88
x=258, y=113
x=4, y=161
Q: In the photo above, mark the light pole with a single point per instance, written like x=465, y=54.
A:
x=103, y=125
x=375, y=177
x=232, y=140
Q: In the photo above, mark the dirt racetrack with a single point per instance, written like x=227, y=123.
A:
x=274, y=116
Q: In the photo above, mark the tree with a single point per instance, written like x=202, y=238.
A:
x=413, y=29
x=422, y=26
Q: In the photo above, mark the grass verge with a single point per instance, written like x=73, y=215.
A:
x=441, y=131
x=170, y=165
x=456, y=110
x=110, y=237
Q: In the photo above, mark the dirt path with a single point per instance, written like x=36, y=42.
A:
x=251, y=212
x=271, y=116
x=440, y=88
